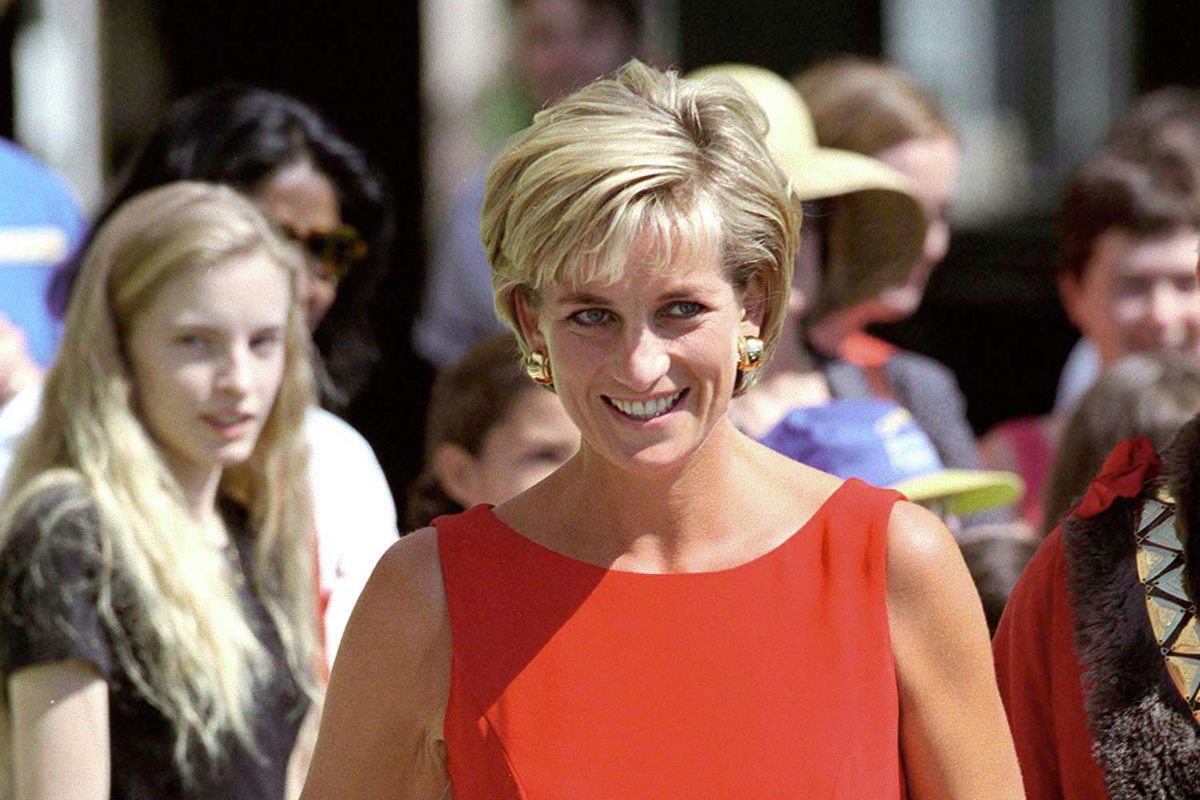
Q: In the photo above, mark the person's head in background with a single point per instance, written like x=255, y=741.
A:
x=1141, y=395
x=563, y=44
x=138, y=324
x=309, y=180
x=877, y=110
x=1128, y=243
x=490, y=434
x=1165, y=121
x=877, y=235
x=996, y=556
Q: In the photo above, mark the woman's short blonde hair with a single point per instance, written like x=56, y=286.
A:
x=642, y=153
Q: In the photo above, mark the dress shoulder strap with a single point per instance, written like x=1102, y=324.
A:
x=858, y=518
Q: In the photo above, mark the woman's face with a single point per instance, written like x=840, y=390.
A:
x=534, y=438
x=933, y=165
x=645, y=367
x=206, y=358
x=304, y=199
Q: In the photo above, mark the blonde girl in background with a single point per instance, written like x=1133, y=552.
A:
x=157, y=614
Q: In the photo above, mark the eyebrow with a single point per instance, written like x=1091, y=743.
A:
x=207, y=326
x=675, y=293
x=583, y=299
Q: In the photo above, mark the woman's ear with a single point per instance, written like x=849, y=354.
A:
x=754, y=306
x=526, y=307
x=455, y=471
x=1071, y=293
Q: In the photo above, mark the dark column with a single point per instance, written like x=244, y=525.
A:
x=358, y=62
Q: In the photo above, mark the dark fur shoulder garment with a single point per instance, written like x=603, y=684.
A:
x=1144, y=737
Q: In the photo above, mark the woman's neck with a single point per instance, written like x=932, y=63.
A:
x=200, y=487
x=829, y=333
x=793, y=379
x=669, y=521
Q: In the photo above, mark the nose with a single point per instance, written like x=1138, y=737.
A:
x=233, y=376
x=937, y=242
x=644, y=358
x=1164, y=305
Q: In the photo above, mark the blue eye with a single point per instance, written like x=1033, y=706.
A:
x=590, y=317
x=684, y=309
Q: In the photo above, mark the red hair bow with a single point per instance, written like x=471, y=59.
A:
x=1129, y=467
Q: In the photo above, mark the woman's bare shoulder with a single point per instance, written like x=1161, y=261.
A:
x=381, y=732
x=411, y=565
x=400, y=627
x=404, y=600
x=922, y=552
x=954, y=737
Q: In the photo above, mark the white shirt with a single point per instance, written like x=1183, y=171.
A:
x=1081, y=370
x=16, y=417
x=354, y=513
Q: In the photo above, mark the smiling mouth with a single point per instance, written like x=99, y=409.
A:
x=644, y=411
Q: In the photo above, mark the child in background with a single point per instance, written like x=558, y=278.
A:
x=1128, y=235
x=490, y=434
x=1150, y=394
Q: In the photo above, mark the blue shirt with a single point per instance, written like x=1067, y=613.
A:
x=41, y=224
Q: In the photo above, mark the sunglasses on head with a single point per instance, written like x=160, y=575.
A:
x=333, y=252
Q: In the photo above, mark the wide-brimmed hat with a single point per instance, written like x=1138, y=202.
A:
x=880, y=222
x=879, y=441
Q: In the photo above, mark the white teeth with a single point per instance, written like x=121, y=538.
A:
x=648, y=409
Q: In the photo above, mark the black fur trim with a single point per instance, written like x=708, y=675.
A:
x=1181, y=471
x=1143, y=735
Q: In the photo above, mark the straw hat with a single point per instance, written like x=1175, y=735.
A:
x=878, y=224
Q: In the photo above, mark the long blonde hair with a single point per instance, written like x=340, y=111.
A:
x=189, y=648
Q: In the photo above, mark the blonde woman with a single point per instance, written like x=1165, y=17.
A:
x=157, y=617
x=677, y=611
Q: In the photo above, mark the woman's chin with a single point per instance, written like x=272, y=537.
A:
x=896, y=305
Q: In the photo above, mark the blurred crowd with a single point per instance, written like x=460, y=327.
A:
x=184, y=509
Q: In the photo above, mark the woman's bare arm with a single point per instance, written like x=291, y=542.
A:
x=60, y=741
x=381, y=731
x=954, y=736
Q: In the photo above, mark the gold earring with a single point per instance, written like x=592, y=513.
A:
x=537, y=367
x=750, y=353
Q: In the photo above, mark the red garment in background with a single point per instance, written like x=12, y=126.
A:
x=1041, y=683
x=773, y=679
x=1041, y=680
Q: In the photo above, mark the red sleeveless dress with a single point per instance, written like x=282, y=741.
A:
x=773, y=679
